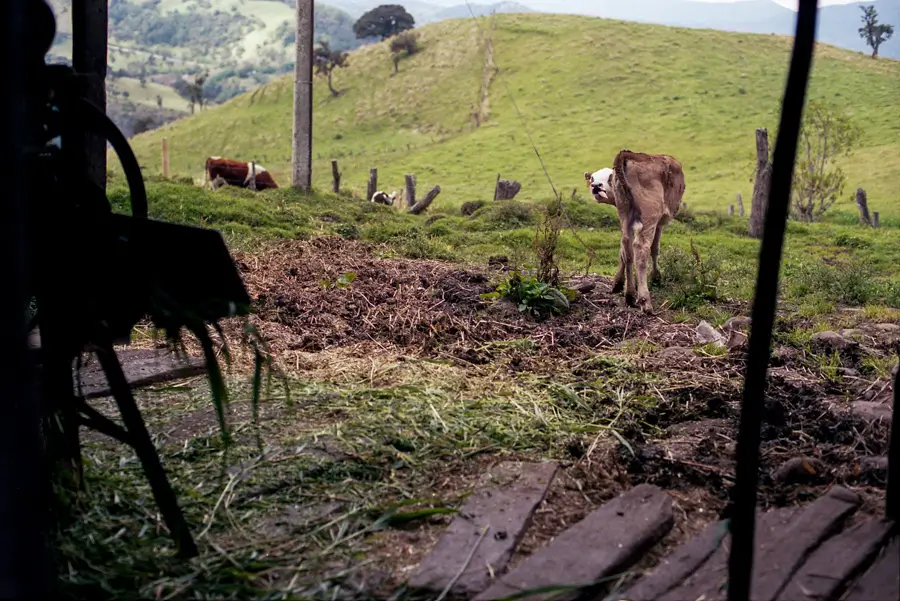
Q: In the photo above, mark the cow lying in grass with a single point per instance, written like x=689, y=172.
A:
x=384, y=198
x=646, y=190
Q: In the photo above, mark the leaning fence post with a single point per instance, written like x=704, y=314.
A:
x=731, y=210
x=875, y=219
x=252, y=184
x=740, y=203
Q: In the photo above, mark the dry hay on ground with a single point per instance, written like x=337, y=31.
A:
x=431, y=305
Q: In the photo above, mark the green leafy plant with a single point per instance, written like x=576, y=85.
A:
x=342, y=281
x=533, y=296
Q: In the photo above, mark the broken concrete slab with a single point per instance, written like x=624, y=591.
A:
x=737, y=323
x=872, y=411
x=503, y=504
x=831, y=341
x=706, y=334
x=607, y=541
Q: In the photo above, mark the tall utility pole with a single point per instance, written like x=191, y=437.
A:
x=301, y=156
x=89, y=51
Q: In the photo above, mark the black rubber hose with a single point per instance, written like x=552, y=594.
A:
x=97, y=122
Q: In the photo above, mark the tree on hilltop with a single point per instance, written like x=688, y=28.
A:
x=383, y=21
x=327, y=60
x=873, y=32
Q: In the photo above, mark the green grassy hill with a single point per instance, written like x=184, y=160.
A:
x=586, y=88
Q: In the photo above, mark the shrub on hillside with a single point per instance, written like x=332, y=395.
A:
x=848, y=283
x=826, y=135
x=508, y=214
x=403, y=44
x=688, y=279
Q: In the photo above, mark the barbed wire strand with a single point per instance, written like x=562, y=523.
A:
x=560, y=207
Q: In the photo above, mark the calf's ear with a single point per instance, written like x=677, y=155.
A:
x=609, y=181
x=587, y=177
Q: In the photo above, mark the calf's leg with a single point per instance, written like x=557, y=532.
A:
x=643, y=242
x=654, y=254
x=626, y=261
x=624, y=251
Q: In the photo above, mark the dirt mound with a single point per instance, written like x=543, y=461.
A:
x=328, y=292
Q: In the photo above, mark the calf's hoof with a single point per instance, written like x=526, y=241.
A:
x=645, y=305
x=618, y=286
x=630, y=299
x=655, y=277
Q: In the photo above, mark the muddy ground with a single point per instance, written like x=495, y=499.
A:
x=331, y=302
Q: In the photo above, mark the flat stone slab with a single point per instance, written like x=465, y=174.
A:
x=818, y=521
x=784, y=539
x=882, y=581
x=504, y=502
x=836, y=561
x=603, y=544
x=873, y=411
x=709, y=580
x=142, y=367
x=683, y=562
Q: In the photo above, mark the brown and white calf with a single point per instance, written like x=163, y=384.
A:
x=646, y=190
x=221, y=171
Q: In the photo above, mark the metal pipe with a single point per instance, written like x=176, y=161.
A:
x=892, y=500
x=743, y=515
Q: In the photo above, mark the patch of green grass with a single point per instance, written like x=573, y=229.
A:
x=364, y=449
x=703, y=93
x=865, y=276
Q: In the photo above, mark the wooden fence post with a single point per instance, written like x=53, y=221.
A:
x=252, y=184
x=335, y=176
x=496, y=186
x=740, y=204
x=423, y=204
x=862, y=204
x=373, y=183
x=410, y=190
x=165, y=157
x=875, y=219
x=761, y=185
x=731, y=210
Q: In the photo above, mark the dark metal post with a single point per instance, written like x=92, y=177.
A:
x=89, y=56
x=743, y=517
x=24, y=563
x=892, y=502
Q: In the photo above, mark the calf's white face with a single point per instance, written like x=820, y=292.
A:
x=601, y=184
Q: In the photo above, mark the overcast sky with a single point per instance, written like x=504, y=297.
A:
x=791, y=3
x=551, y=5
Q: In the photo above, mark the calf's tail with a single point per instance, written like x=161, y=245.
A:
x=623, y=190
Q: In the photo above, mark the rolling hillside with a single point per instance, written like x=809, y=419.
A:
x=586, y=87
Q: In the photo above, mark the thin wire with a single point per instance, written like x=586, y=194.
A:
x=516, y=107
x=559, y=204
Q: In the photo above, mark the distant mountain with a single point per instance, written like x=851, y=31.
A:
x=838, y=24
x=480, y=10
